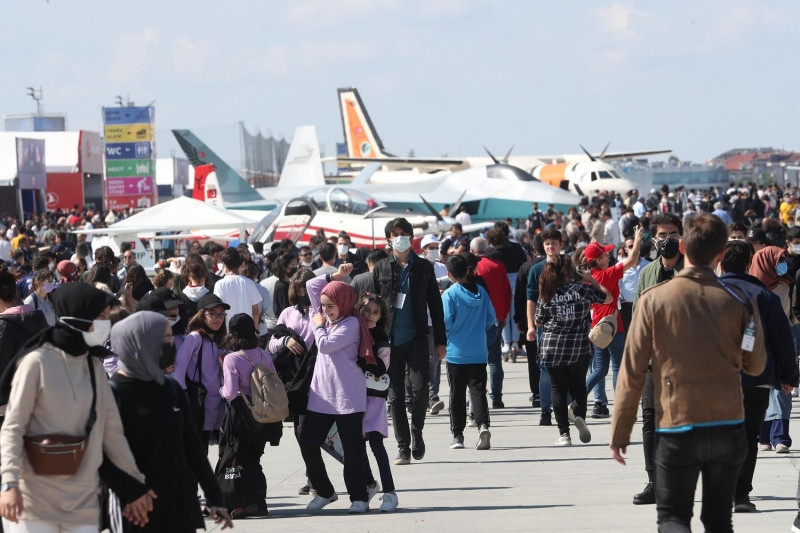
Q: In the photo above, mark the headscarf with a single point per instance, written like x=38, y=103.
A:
x=137, y=342
x=75, y=300
x=344, y=296
x=764, y=264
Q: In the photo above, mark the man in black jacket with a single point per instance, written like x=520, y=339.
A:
x=408, y=285
x=781, y=371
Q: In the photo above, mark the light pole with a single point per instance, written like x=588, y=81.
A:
x=37, y=96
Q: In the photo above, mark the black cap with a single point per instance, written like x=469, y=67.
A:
x=158, y=301
x=756, y=235
x=210, y=301
x=242, y=326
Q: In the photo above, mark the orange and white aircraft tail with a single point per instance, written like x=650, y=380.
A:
x=359, y=133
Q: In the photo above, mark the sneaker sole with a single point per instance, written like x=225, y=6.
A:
x=388, y=510
x=484, y=441
x=436, y=408
x=583, y=431
x=456, y=446
x=402, y=462
x=335, y=497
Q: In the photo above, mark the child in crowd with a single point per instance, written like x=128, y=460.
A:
x=468, y=313
x=376, y=423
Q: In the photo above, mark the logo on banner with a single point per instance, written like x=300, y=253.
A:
x=52, y=199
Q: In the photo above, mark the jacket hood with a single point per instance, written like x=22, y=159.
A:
x=466, y=296
x=32, y=322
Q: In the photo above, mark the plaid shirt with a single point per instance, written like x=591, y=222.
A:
x=565, y=321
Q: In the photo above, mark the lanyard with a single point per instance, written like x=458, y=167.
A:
x=405, y=273
x=738, y=298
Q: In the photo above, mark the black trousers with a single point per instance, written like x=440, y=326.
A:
x=315, y=429
x=649, y=425
x=460, y=378
x=716, y=452
x=532, y=351
x=569, y=380
x=756, y=400
x=414, y=355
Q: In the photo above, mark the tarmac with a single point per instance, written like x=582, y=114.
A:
x=524, y=483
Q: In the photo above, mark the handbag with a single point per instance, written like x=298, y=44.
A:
x=603, y=332
x=61, y=455
x=197, y=392
x=297, y=391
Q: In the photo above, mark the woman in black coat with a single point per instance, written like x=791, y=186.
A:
x=163, y=438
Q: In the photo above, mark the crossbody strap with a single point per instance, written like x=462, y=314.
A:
x=93, y=412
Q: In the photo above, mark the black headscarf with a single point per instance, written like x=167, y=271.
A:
x=76, y=300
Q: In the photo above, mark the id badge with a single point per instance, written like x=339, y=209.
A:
x=749, y=337
x=401, y=299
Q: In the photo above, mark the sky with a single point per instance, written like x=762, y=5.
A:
x=439, y=77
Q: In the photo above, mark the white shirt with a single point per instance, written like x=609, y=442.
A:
x=5, y=250
x=611, y=232
x=269, y=315
x=463, y=218
x=239, y=292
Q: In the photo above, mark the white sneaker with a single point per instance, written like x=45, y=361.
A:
x=583, y=431
x=389, y=502
x=764, y=447
x=471, y=421
x=795, y=392
x=372, y=491
x=319, y=502
x=358, y=507
x=570, y=414
x=563, y=440
x=781, y=448
x=484, y=438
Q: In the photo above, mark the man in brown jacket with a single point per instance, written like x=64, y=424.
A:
x=699, y=335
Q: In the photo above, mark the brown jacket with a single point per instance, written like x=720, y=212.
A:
x=692, y=329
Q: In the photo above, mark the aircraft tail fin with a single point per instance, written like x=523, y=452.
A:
x=359, y=133
x=206, y=185
x=303, y=165
x=230, y=183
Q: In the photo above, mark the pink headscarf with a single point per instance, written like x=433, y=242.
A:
x=763, y=266
x=344, y=296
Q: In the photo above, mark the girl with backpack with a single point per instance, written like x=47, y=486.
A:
x=242, y=439
x=338, y=392
x=197, y=365
x=376, y=422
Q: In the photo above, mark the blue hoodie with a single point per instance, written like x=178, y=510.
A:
x=467, y=316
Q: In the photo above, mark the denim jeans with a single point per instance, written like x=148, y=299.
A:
x=716, y=452
x=600, y=361
x=496, y=373
x=510, y=330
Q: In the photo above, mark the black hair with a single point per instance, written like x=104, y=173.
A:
x=232, y=259
x=738, y=255
x=327, y=252
x=399, y=223
x=457, y=266
x=665, y=219
x=376, y=255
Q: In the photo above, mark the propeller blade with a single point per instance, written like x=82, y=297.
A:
x=434, y=212
x=508, y=154
x=603, y=153
x=454, y=209
x=585, y=151
x=496, y=162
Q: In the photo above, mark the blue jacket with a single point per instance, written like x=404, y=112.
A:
x=467, y=316
x=781, y=360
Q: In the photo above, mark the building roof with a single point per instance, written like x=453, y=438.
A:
x=64, y=151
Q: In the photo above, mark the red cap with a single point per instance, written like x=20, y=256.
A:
x=595, y=249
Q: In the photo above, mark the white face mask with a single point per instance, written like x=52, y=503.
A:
x=401, y=243
x=220, y=267
x=795, y=249
x=51, y=266
x=432, y=255
x=173, y=321
x=96, y=337
x=307, y=264
x=343, y=249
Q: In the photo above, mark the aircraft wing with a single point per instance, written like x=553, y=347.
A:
x=393, y=163
x=627, y=155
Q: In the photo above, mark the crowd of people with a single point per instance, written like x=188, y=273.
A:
x=686, y=296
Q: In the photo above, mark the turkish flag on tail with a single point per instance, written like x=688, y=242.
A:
x=201, y=172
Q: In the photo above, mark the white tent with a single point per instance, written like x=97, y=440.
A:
x=180, y=214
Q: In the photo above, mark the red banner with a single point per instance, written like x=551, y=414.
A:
x=64, y=190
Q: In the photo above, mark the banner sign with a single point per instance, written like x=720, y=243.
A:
x=130, y=157
x=30, y=164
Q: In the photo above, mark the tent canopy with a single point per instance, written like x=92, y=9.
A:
x=180, y=214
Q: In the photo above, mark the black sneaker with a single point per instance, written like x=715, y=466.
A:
x=403, y=457
x=537, y=402
x=646, y=497
x=251, y=511
x=600, y=411
x=546, y=419
x=458, y=443
x=498, y=405
x=304, y=490
x=417, y=445
x=796, y=524
x=743, y=504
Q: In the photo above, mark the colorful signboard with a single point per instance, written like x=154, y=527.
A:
x=130, y=157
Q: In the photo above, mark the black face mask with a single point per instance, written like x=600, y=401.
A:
x=167, y=357
x=303, y=301
x=291, y=272
x=667, y=248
